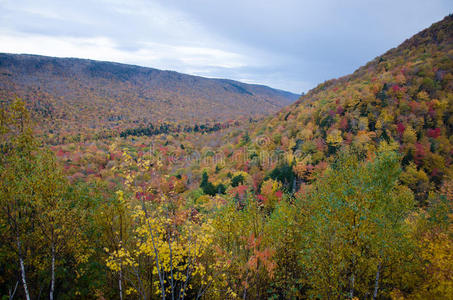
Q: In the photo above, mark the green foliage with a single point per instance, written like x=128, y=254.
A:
x=236, y=180
x=209, y=188
x=286, y=232
x=221, y=188
x=354, y=153
x=283, y=173
x=356, y=227
x=39, y=211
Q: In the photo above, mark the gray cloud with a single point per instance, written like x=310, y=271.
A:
x=286, y=44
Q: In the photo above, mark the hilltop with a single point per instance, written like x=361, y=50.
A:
x=79, y=95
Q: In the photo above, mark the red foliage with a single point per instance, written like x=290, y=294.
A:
x=60, y=153
x=261, y=199
x=400, y=128
x=344, y=124
x=116, y=155
x=434, y=133
x=395, y=88
x=320, y=144
x=431, y=111
x=246, y=167
x=348, y=138
x=414, y=105
x=163, y=150
x=419, y=154
x=143, y=196
x=435, y=172
x=239, y=190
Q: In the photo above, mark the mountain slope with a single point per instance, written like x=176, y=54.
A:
x=404, y=97
x=79, y=93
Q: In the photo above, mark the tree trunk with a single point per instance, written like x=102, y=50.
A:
x=351, y=292
x=13, y=292
x=244, y=296
x=120, y=280
x=52, y=282
x=376, y=283
x=22, y=269
x=120, y=283
x=24, y=280
x=156, y=252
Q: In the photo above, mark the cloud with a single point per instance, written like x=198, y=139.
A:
x=323, y=38
x=102, y=48
x=287, y=44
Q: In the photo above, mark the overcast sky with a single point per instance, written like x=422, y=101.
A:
x=287, y=44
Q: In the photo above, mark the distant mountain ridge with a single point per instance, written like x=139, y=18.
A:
x=107, y=94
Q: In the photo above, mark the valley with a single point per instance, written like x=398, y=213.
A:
x=124, y=182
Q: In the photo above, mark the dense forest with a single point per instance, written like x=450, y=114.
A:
x=76, y=99
x=345, y=194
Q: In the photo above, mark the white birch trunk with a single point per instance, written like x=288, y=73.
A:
x=22, y=269
x=52, y=282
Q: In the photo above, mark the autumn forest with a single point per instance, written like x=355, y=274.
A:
x=123, y=182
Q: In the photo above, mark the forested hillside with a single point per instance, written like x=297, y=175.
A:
x=404, y=98
x=70, y=96
x=345, y=194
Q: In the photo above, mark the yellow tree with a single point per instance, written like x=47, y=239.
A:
x=56, y=213
x=164, y=233
x=36, y=210
x=16, y=170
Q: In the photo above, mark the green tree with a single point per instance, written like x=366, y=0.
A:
x=356, y=230
x=207, y=187
x=236, y=180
